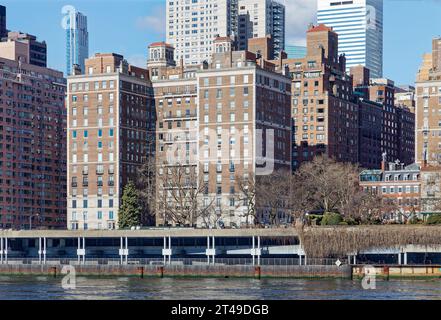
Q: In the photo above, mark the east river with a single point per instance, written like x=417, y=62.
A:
x=45, y=288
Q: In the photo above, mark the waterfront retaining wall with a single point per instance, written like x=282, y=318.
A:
x=401, y=272
x=202, y=271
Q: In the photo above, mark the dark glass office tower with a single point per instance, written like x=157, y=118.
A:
x=3, y=31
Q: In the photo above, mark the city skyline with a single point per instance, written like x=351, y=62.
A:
x=147, y=24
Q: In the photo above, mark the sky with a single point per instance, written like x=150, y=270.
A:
x=128, y=26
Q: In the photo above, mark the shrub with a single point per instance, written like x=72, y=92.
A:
x=414, y=220
x=315, y=218
x=434, y=219
x=350, y=221
x=331, y=219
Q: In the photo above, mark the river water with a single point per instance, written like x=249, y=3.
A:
x=43, y=288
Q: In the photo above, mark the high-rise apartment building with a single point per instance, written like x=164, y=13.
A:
x=394, y=139
x=32, y=143
x=324, y=112
x=77, y=41
x=192, y=26
x=3, y=30
x=26, y=47
x=405, y=96
x=221, y=123
x=259, y=18
x=110, y=120
x=359, y=24
x=428, y=114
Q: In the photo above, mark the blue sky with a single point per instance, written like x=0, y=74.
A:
x=128, y=26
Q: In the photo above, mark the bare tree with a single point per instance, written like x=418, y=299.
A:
x=325, y=182
x=182, y=197
x=246, y=198
x=273, y=192
x=329, y=186
x=146, y=185
x=299, y=197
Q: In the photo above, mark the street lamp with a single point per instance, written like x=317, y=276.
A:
x=30, y=219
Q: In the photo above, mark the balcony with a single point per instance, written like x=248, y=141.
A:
x=85, y=183
x=99, y=183
x=99, y=171
x=111, y=183
x=191, y=115
x=74, y=184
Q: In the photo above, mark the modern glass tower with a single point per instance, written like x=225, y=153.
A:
x=77, y=41
x=3, y=31
x=295, y=52
x=359, y=24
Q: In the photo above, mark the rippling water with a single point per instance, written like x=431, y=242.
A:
x=31, y=288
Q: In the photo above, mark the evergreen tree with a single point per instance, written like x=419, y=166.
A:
x=130, y=210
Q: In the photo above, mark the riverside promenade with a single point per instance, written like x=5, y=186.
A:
x=257, y=253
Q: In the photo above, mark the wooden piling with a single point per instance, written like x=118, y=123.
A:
x=160, y=271
x=53, y=271
x=257, y=272
x=141, y=272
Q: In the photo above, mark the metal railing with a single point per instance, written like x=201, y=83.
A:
x=177, y=261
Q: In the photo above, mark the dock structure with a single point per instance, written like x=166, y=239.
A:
x=189, y=246
x=148, y=244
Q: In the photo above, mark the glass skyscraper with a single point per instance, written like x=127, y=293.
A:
x=359, y=24
x=295, y=52
x=3, y=30
x=77, y=41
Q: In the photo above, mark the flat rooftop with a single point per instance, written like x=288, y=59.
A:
x=150, y=233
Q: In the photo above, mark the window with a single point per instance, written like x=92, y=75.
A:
x=110, y=132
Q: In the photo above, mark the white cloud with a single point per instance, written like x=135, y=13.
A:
x=154, y=22
x=138, y=60
x=299, y=14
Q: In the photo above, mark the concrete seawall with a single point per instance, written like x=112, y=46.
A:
x=400, y=272
x=202, y=271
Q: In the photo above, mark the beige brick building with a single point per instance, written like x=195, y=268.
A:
x=224, y=121
x=428, y=108
x=110, y=120
x=324, y=111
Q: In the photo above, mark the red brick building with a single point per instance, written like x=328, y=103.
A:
x=32, y=145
